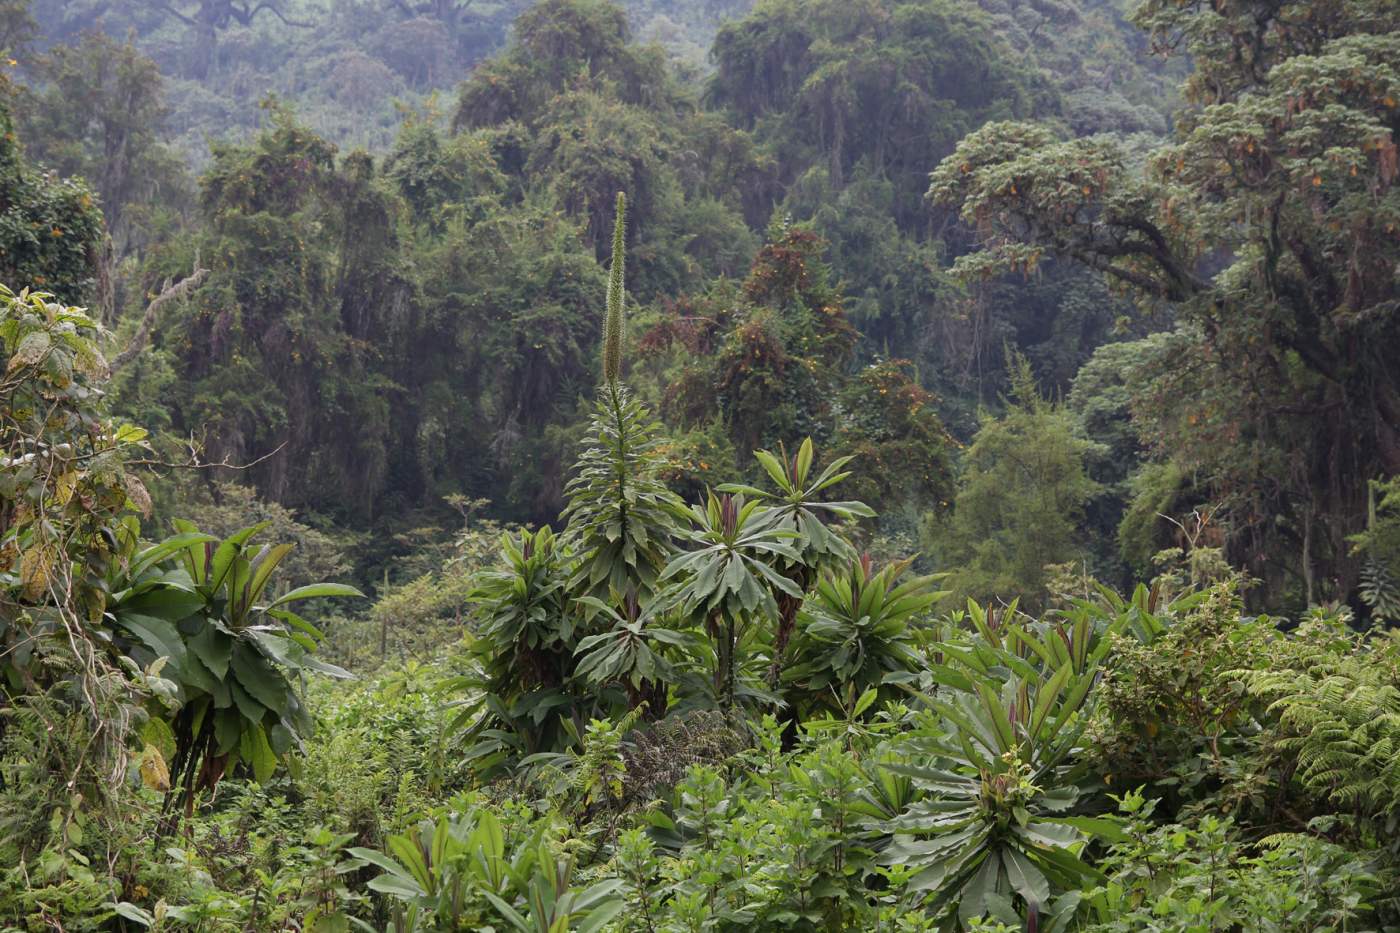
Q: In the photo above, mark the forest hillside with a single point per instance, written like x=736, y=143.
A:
x=675, y=466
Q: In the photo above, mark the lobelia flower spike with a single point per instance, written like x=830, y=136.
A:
x=612, y=321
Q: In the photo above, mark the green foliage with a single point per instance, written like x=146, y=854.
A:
x=799, y=505
x=525, y=642
x=201, y=613
x=727, y=578
x=97, y=111
x=1287, y=157
x=1020, y=500
x=64, y=480
x=629, y=652
x=800, y=511
x=836, y=84
x=385, y=339
x=1013, y=704
x=858, y=633
x=1202, y=877
x=1380, y=543
x=66, y=490
x=889, y=424
x=457, y=871
x=50, y=229
x=1333, y=702
x=622, y=518
x=1175, y=712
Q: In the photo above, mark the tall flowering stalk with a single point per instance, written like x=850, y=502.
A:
x=612, y=321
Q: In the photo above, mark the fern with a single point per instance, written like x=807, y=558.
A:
x=1338, y=718
x=1380, y=591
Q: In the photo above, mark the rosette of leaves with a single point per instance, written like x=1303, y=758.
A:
x=994, y=823
x=728, y=579
x=630, y=653
x=203, y=608
x=856, y=633
x=798, y=507
x=986, y=834
x=464, y=871
x=621, y=517
x=525, y=642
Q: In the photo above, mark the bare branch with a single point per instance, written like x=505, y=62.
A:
x=246, y=15
x=194, y=463
x=170, y=8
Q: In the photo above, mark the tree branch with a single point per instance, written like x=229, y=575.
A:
x=246, y=15
x=170, y=8
x=167, y=294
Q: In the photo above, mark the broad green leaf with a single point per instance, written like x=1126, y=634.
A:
x=158, y=635
x=316, y=591
x=254, y=749
x=1027, y=880
x=259, y=678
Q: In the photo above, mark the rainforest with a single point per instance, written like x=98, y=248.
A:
x=663, y=466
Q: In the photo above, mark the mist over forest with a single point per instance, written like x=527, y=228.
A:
x=649, y=465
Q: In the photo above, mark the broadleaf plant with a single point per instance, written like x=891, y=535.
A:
x=204, y=610
x=727, y=580
x=799, y=508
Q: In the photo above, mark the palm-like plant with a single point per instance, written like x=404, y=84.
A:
x=525, y=645
x=799, y=508
x=987, y=830
x=462, y=870
x=994, y=823
x=857, y=631
x=555, y=903
x=433, y=870
x=234, y=654
x=728, y=579
x=629, y=652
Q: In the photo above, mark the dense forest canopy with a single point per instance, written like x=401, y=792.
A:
x=676, y=466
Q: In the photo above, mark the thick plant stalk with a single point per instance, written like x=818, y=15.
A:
x=612, y=321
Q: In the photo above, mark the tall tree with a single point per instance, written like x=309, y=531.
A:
x=1021, y=498
x=17, y=27
x=1268, y=225
x=97, y=110
x=874, y=84
x=50, y=227
x=207, y=18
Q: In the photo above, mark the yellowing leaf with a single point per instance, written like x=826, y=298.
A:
x=131, y=434
x=63, y=487
x=35, y=569
x=30, y=351
x=154, y=773
x=136, y=492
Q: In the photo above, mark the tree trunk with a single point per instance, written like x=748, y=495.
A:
x=204, y=49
